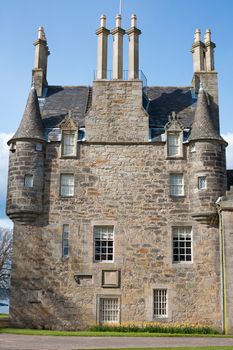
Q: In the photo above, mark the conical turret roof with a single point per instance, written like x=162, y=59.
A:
x=31, y=126
x=203, y=127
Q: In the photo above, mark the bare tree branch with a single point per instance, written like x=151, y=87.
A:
x=5, y=258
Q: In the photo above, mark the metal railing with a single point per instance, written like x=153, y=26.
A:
x=125, y=76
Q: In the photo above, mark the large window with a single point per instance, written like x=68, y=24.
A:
x=176, y=185
x=173, y=144
x=160, y=303
x=68, y=144
x=182, y=244
x=109, y=310
x=67, y=185
x=65, y=240
x=103, y=243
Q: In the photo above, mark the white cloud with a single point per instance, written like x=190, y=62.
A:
x=229, y=138
x=6, y=223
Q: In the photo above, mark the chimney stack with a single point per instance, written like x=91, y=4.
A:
x=198, y=49
x=118, y=34
x=209, y=55
x=102, y=51
x=39, y=72
x=133, y=34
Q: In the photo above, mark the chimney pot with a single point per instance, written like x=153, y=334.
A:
x=197, y=36
x=133, y=20
x=103, y=21
x=207, y=36
x=118, y=20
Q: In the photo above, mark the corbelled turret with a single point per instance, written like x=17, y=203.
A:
x=207, y=163
x=26, y=165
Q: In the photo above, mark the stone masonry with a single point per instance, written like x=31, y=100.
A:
x=114, y=142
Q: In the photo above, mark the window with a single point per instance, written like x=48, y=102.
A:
x=28, y=181
x=173, y=144
x=160, y=303
x=68, y=144
x=109, y=310
x=176, y=185
x=202, y=183
x=65, y=240
x=182, y=244
x=67, y=185
x=39, y=146
x=103, y=241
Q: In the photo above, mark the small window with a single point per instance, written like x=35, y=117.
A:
x=160, y=303
x=182, y=244
x=67, y=185
x=103, y=243
x=202, y=183
x=28, y=181
x=68, y=144
x=193, y=148
x=173, y=144
x=109, y=310
x=65, y=240
x=176, y=185
x=39, y=147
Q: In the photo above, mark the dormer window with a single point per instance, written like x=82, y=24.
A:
x=174, y=136
x=173, y=144
x=68, y=144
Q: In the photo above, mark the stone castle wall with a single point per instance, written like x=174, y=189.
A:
x=127, y=186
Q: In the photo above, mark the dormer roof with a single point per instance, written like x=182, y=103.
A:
x=31, y=126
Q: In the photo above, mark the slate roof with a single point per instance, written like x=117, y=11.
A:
x=59, y=100
x=31, y=126
x=161, y=101
x=229, y=178
x=203, y=127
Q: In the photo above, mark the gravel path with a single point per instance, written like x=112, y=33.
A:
x=35, y=342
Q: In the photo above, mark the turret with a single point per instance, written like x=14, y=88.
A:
x=26, y=165
x=39, y=72
x=207, y=163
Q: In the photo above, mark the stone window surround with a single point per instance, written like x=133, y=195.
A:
x=65, y=238
x=182, y=262
x=113, y=244
x=169, y=185
x=180, y=155
x=188, y=264
x=106, y=296
x=59, y=187
x=149, y=302
x=70, y=156
x=113, y=223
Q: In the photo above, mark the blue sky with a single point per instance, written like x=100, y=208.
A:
x=167, y=34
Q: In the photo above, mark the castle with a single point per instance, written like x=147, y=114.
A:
x=120, y=198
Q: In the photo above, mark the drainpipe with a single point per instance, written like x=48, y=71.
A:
x=223, y=268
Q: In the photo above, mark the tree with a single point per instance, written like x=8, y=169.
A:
x=5, y=258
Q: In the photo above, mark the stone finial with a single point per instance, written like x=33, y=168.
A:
x=103, y=21
x=118, y=20
x=41, y=34
x=207, y=36
x=197, y=36
x=133, y=20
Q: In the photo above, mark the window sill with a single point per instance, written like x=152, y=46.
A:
x=177, y=197
x=174, y=157
x=69, y=157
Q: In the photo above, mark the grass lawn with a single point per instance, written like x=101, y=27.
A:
x=102, y=334
x=4, y=315
x=183, y=348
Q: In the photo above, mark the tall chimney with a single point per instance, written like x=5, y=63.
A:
x=39, y=72
x=102, y=50
x=118, y=34
x=209, y=55
x=198, y=49
x=133, y=34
